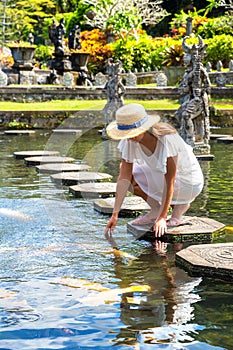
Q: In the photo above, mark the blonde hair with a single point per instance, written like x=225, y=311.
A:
x=160, y=129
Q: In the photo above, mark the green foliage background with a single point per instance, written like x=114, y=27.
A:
x=142, y=51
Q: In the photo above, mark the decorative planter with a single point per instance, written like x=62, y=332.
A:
x=79, y=61
x=23, y=57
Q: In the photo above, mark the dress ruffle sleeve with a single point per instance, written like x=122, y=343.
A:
x=128, y=150
x=173, y=145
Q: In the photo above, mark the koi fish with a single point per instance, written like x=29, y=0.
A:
x=104, y=295
x=121, y=254
x=113, y=295
x=80, y=283
x=14, y=214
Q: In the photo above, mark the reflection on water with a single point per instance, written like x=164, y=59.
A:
x=63, y=237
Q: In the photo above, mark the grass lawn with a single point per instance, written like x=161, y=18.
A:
x=59, y=105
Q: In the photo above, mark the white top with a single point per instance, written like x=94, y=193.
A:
x=153, y=167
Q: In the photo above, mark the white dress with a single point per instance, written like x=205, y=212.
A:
x=149, y=171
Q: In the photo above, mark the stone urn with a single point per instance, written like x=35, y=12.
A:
x=23, y=57
x=79, y=61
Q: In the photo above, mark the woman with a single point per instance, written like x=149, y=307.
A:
x=157, y=165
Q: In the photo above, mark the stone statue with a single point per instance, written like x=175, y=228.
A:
x=56, y=34
x=114, y=89
x=74, y=42
x=194, y=88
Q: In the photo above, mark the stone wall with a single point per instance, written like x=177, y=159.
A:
x=92, y=119
x=47, y=93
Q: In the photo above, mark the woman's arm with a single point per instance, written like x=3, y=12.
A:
x=160, y=226
x=123, y=183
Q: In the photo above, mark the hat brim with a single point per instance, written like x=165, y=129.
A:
x=114, y=133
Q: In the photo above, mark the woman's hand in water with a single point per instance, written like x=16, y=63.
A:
x=160, y=227
x=111, y=224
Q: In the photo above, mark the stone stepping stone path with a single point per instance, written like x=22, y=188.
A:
x=74, y=178
x=217, y=136
x=196, y=229
x=205, y=156
x=52, y=168
x=19, y=132
x=67, y=131
x=24, y=154
x=131, y=206
x=47, y=159
x=93, y=190
x=227, y=140
x=212, y=260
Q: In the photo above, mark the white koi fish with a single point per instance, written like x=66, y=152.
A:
x=14, y=214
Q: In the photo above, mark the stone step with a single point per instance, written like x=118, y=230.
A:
x=93, y=190
x=24, y=154
x=208, y=260
x=217, y=136
x=204, y=156
x=227, y=140
x=19, y=132
x=47, y=159
x=74, y=178
x=67, y=131
x=52, y=168
x=196, y=229
x=132, y=206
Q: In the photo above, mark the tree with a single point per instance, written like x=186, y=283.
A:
x=227, y=4
x=23, y=17
x=123, y=16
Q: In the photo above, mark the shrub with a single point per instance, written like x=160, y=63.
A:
x=220, y=48
x=94, y=42
x=142, y=52
x=43, y=54
x=216, y=26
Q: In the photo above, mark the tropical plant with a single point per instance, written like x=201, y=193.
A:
x=173, y=55
x=28, y=17
x=117, y=16
x=220, y=48
x=179, y=22
x=43, y=54
x=94, y=42
x=216, y=26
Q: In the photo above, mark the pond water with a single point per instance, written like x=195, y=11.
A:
x=62, y=286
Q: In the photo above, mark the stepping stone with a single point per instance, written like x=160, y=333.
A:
x=131, y=206
x=24, y=154
x=212, y=260
x=74, y=178
x=50, y=168
x=93, y=190
x=217, y=136
x=19, y=132
x=67, y=131
x=47, y=159
x=228, y=139
x=205, y=156
x=199, y=229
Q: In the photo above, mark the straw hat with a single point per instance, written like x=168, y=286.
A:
x=131, y=120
